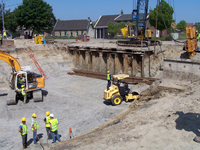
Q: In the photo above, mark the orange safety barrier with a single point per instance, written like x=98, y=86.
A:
x=70, y=130
x=37, y=65
x=70, y=133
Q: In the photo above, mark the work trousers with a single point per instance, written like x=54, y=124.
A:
x=53, y=134
x=48, y=132
x=34, y=136
x=24, y=140
x=25, y=98
x=109, y=84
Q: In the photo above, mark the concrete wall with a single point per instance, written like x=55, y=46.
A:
x=8, y=42
x=99, y=61
x=181, y=70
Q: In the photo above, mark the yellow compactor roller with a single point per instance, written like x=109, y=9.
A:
x=119, y=91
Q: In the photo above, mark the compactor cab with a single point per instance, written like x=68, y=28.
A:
x=119, y=91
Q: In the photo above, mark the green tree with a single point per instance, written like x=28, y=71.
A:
x=197, y=27
x=181, y=25
x=167, y=12
x=114, y=28
x=10, y=22
x=9, y=19
x=36, y=15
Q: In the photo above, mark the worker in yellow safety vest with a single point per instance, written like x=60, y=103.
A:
x=197, y=35
x=34, y=126
x=4, y=34
x=21, y=81
x=54, y=128
x=47, y=124
x=109, y=78
x=24, y=93
x=23, y=131
x=0, y=39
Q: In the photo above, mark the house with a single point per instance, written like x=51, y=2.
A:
x=73, y=28
x=102, y=25
x=189, y=25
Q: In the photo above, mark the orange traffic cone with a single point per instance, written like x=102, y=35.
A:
x=70, y=133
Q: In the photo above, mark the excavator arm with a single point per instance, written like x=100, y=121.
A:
x=10, y=60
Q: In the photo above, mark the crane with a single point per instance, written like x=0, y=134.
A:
x=139, y=19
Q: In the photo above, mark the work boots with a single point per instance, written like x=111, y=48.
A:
x=24, y=147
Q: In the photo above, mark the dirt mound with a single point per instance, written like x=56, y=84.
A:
x=156, y=91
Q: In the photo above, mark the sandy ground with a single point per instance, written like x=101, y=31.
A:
x=75, y=101
x=162, y=118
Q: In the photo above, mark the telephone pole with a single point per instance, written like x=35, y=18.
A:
x=156, y=27
x=2, y=13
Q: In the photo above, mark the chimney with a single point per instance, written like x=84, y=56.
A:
x=121, y=12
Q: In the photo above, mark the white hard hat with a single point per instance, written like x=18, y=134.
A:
x=51, y=115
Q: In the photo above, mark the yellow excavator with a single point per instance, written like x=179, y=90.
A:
x=133, y=39
x=33, y=82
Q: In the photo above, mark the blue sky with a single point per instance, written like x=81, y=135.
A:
x=82, y=9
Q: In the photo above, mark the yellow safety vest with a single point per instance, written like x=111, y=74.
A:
x=54, y=124
x=47, y=121
x=24, y=129
x=108, y=77
x=35, y=124
x=197, y=37
x=23, y=91
x=19, y=80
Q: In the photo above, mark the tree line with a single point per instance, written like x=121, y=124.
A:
x=38, y=16
x=31, y=14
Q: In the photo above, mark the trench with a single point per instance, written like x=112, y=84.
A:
x=75, y=101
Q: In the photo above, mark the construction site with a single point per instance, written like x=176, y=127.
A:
x=164, y=116
x=135, y=92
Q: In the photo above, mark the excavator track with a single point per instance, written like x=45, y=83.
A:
x=138, y=43
x=11, y=98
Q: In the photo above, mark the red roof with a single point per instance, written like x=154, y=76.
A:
x=189, y=24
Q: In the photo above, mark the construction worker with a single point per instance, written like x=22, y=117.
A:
x=0, y=39
x=4, y=34
x=24, y=93
x=23, y=131
x=47, y=124
x=109, y=78
x=21, y=81
x=34, y=126
x=54, y=128
x=197, y=35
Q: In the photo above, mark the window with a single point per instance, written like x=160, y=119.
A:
x=71, y=34
x=76, y=33
x=82, y=32
x=59, y=33
x=66, y=33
